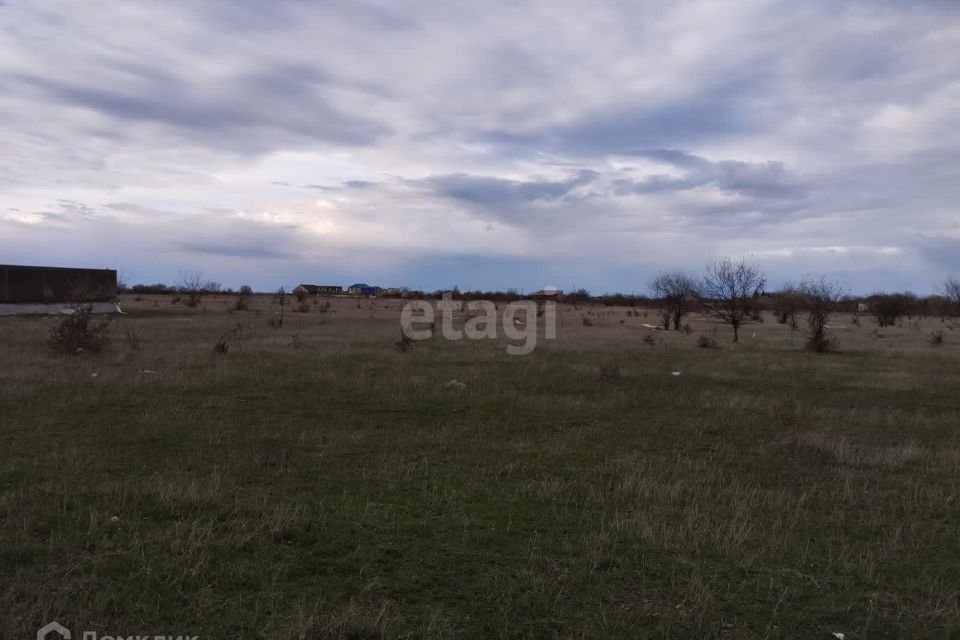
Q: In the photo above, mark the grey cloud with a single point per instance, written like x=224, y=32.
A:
x=500, y=192
x=761, y=180
x=163, y=105
x=941, y=251
x=237, y=250
x=251, y=111
x=712, y=113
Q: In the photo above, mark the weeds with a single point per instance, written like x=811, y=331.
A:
x=609, y=372
x=706, y=342
x=132, y=340
x=404, y=343
x=80, y=332
x=821, y=344
x=222, y=345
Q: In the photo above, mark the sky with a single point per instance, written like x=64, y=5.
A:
x=485, y=145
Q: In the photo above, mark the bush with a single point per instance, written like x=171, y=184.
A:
x=936, y=339
x=609, y=372
x=132, y=339
x=821, y=344
x=404, y=343
x=887, y=309
x=80, y=332
x=706, y=342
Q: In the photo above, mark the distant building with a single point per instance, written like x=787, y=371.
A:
x=28, y=290
x=361, y=289
x=319, y=289
x=24, y=284
x=548, y=294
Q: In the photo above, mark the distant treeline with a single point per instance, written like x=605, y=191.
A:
x=906, y=303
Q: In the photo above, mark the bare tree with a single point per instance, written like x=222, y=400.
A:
x=820, y=298
x=887, y=308
x=729, y=292
x=951, y=289
x=280, y=301
x=675, y=290
x=786, y=304
x=191, y=286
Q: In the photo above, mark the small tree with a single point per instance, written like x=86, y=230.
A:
x=191, y=287
x=820, y=298
x=951, y=290
x=786, y=304
x=675, y=290
x=729, y=292
x=280, y=300
x=888, y=308
x=242, y=298
x=80, y=333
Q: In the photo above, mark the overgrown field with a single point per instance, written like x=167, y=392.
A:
x=314, y=481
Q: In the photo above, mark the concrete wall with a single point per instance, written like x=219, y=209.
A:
x=56, y=284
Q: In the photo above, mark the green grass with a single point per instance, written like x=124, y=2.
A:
x=336, y=490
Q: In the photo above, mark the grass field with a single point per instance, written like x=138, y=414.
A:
x=319, y=483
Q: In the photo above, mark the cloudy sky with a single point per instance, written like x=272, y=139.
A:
x=482, y=144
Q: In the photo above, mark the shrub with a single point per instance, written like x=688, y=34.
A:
x=609, y=372
x=222, y=345
x=649, y=339
x=786, y=304
x=132, y=339
x=887, y=309
x=820, y=298
x=80, y=332
x=821, y=344
x=936, y=339
x=404, y=343
x=706, y=342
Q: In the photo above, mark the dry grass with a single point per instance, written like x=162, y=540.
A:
x=338, y=490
